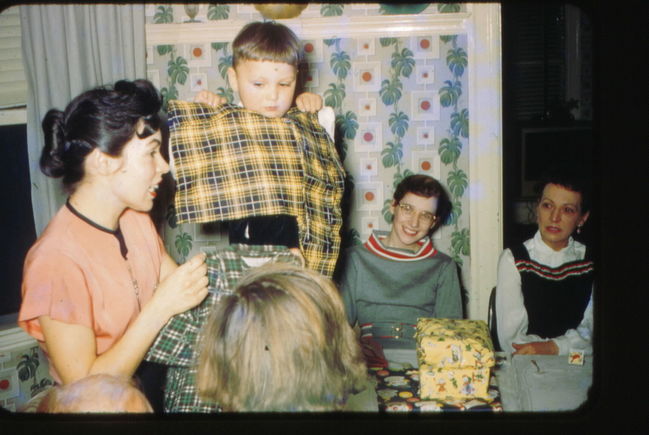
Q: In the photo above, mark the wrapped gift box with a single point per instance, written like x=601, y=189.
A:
x=455, y=356
x=453, y=384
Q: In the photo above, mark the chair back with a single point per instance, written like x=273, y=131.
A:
x=492, y=321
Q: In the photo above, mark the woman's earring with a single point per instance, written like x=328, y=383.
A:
x=578, y=229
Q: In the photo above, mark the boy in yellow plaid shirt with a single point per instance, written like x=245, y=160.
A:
x=268, y=169
x=269, y=190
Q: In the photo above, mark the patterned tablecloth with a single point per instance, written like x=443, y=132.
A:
x=397, y=390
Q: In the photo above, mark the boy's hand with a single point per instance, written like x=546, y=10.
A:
x=308, y=102
x=209, y=98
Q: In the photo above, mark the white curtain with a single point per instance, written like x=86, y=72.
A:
x=68, y=49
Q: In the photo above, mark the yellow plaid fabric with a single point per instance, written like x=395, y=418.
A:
x=232, y=163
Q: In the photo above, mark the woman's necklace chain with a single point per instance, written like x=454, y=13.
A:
x=136, y=287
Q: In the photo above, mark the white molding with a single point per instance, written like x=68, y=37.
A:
x=15, y=338
x=485, y=156
x=13, y=116
x=313, y=28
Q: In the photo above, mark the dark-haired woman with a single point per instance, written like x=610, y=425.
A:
x=98, y=284
x=544, y=291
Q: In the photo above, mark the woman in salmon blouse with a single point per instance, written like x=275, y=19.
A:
x=98, y=284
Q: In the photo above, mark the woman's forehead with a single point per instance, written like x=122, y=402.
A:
x=420, y=202
x=562, y=194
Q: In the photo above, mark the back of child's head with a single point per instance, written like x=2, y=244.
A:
x=99, y=393
x=281, y=342
x=266, y=41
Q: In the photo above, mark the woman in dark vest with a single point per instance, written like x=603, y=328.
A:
x=544, y=291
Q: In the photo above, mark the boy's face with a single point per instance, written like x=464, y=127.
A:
x=264, y=87
x=413, y=218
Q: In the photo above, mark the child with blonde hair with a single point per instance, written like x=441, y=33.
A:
x=281, y=342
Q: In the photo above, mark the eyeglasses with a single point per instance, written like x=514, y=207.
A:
x=426, y=217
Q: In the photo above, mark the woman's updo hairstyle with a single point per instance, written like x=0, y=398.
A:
x=105, y=118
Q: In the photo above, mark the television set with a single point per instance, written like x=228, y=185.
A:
x=563, y=148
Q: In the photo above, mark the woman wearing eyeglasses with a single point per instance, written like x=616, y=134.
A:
x=398, y=275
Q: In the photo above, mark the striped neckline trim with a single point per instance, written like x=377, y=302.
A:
x=374, y=245
x=573, y=268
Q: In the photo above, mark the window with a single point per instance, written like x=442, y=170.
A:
x=537, y=74
x=13, y=86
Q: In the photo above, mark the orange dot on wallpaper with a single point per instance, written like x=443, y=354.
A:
x=368, y=107
x=308, y=47
x=369, y=196
x=425, y=165
x=425, y=105
x=197, y=52
x=367, y=76
x=367, y=137
x=425, y=135
x=366, y=46
x=425, y=75
x=4, y=384
x=199, y=82
x=368, y=166
x=424, y=43
x=370, y=225
x=309, y=78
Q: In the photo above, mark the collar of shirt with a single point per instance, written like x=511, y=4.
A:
x=542, y=253
x=375, y=245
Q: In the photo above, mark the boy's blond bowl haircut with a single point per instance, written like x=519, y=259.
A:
x=281, y=342
x=267, y=41
x=100, y=393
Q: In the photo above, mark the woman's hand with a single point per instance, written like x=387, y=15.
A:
x=209, y=98
x=182, y=289
x=536, y=348
x=308, y=102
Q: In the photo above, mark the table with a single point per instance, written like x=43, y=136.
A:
x=555, y=385
x=516, y=385
x=395, y=389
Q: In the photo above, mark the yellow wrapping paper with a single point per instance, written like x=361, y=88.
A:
x=454, y=343
x=453, y=384
x=455, y=356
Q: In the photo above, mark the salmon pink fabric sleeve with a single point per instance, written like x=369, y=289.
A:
x=55, y=286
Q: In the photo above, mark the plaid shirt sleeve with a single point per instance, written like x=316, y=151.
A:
x=323, y=185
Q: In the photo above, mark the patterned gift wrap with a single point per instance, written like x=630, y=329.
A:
x=455, y=356
x=454, y=343
x=449, y=384
x=398, y=391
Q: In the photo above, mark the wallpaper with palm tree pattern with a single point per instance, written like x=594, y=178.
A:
x=401, y=108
